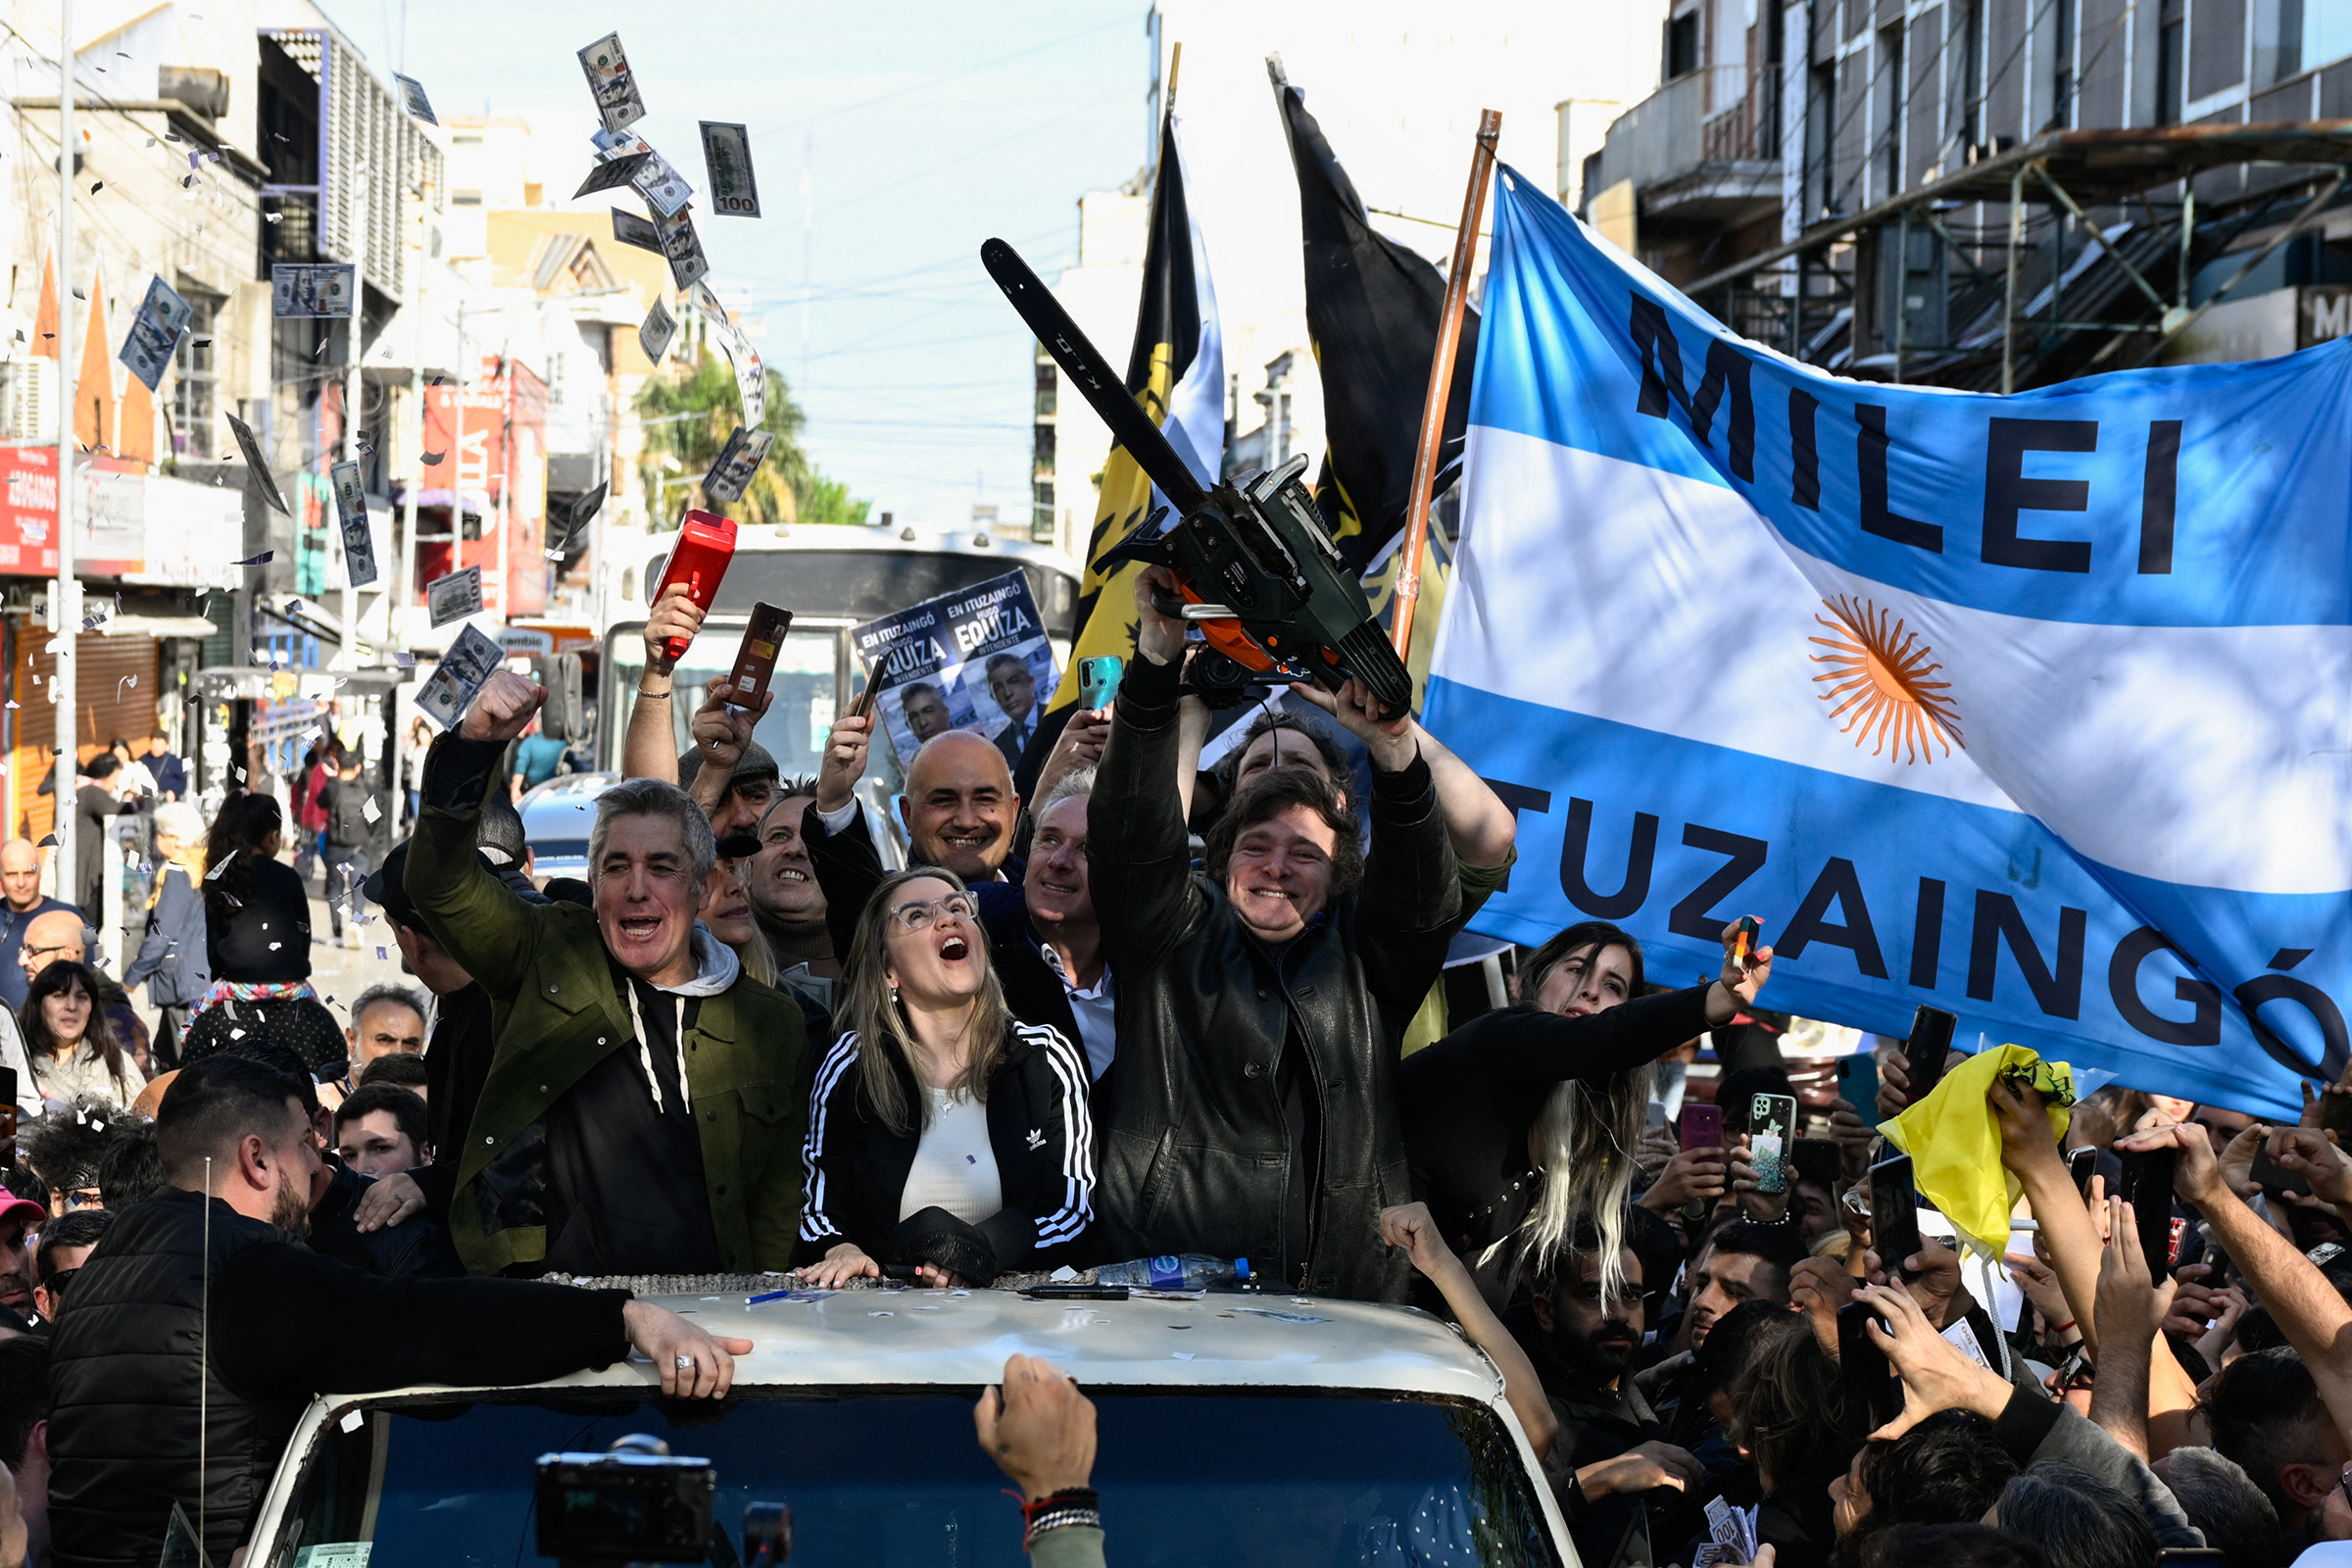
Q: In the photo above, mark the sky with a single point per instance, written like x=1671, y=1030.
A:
x=916, y=129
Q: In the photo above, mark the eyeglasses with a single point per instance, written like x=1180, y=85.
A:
x=55, y=1285
x=919, y=915
x=85, y=1197
x=62, y=947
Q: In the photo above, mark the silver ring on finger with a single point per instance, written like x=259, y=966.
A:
x=685, y=1363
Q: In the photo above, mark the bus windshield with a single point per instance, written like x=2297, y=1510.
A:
x=797, y=721
x=866, y=584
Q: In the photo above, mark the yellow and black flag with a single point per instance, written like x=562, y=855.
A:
x=1372, y=312
x=1176, y=369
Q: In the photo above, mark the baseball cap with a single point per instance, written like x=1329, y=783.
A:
x=756, y=763
x=17, y=1211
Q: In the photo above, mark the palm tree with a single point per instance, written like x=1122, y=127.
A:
x=690, y=412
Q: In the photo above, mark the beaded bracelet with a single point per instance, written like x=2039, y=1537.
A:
x=1072, y=1505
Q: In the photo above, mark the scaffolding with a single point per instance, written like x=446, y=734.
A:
x=2128, y=279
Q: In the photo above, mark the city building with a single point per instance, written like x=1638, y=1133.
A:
x=1992, y=195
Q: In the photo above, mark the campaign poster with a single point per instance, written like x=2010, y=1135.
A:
x=976, y=660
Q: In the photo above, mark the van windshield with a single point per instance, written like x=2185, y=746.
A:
x=898, y=1478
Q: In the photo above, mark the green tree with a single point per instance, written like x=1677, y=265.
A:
x=690, y=410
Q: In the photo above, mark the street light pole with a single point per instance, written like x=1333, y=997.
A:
x=61, y=686
x=355, y=392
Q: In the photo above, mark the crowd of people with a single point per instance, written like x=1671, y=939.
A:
x=743, y=1043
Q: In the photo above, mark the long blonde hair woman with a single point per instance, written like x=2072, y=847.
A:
x=943, y=1133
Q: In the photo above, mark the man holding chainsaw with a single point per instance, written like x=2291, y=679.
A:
x=1260, y=1007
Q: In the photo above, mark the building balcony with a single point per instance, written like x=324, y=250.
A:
x=1701, y=152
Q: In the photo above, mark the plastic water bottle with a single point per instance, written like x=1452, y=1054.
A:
x=1192, y=1271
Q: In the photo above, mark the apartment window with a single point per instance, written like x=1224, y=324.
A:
x=2172, y=73
x=1890, y=122
x=1968, y=128
x=1042, y=450
x=1049, y=390
x=2061, y=77
x=197, y=380
x=1820, y=115
x=1681, y=45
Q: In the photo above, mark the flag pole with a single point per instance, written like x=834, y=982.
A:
x=1441, y=382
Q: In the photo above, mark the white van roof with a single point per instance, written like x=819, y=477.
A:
x=960, y=1338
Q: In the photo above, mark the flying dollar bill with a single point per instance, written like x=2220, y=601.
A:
x=612, y=81
x=469, y=662
x=155, y=332
x=655, y=334
x=411, y=92
x=612, y=173
x=663, y=188
x=454, y=597
x=351, y=509
x=728, y=477
x=630, y=229
x=727, y=160
x=684, y=248
x=750, y=375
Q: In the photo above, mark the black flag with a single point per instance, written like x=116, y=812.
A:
x=1372, y=313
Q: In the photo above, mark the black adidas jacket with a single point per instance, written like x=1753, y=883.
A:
x=1037, y=1126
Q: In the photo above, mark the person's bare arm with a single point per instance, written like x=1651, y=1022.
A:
x=649, y=750
x=2032, y=1154
x=1191, y=733
x=2308, y=1310
x=2132, y=1309
x=1410, y=1226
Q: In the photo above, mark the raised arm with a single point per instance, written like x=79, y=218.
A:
x=469, y=912
x=649, y=750
x=1410, y=1226
x=2309, y=1313
x=841, y=847
x=1481, y=829
x=1137, y=846
x=2032, y=1155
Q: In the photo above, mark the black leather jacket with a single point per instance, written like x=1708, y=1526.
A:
x=1194, y=1155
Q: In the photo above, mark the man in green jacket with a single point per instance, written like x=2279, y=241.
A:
x=646, y=1099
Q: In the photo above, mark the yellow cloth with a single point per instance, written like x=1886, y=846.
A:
x=1954, y=1141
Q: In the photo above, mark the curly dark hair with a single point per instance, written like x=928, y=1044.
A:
x=1269, y=721
x=242, y=826
x=1267, y=796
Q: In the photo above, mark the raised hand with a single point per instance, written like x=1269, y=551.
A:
x=674, y=616
x=502, y=709
x=844, y=762
x=2198, y=1174
x=1393, y=742
x=1740, y=982
x=1412, y=1226
x=1158, y=637
x=1935, y=1375
x=722, y=730
x=1037, y=1428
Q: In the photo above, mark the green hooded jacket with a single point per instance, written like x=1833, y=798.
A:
x=555, y=1013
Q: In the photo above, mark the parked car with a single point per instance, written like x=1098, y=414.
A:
x=1234, y=1428
x=557, y=818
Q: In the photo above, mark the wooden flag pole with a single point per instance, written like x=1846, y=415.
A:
x=1441, y=381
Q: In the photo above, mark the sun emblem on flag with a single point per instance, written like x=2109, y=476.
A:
x=1878, y=674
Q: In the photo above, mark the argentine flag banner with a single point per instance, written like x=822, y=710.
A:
x=2036, y=707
